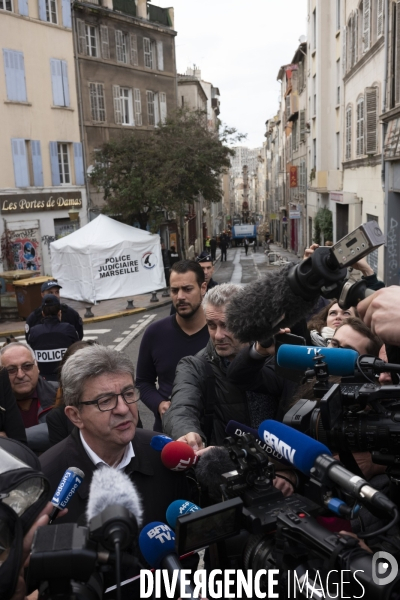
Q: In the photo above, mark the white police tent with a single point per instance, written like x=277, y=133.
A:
x=107, y=259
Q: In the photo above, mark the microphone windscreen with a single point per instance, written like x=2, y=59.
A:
x=156, y=541
x=159, y=441
x=299, y=449
x=178, y=508
x=178, y=456
x=235, y=428
x=210, y=468
x=253, y=313
x=340, y=361
x=112, y=486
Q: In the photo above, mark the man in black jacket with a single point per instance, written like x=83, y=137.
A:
x=68, y=314
x=51, y=339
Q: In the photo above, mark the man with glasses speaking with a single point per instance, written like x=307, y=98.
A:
x=101, y=400
x=34, y=395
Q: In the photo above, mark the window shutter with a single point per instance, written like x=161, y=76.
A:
x=20, y=160
x=360, y=128
x=163, y=107
x=302, y=126
x=105, y=47
x=156, y=109
x=66, y=13
x=160, y=56
x=138, y=107
x=348, y=133
x=397, y=52
x=148, y=56
x=379, y=25
x=64, y=70
x=344, y=61
x=100, y=102
x=150, y=107
x=355, y=27
x=55, y=171
x=371, y=127
x=134, y=52
x=78, y=161
x=366, y=24
x=37, y=164
x=15, y=75
x=80, y=27
x=57, y=82
x=42, y=10
x=93, y=101
x=153, y=55
x=118, y=45
x=23, y=7
x=117, y=104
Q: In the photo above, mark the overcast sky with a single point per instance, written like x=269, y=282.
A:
x=239, y=46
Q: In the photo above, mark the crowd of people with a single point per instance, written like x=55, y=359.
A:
x=76, y=403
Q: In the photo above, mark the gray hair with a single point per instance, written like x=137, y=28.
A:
x=221, y=294
x=17, y=345
x=88, y=363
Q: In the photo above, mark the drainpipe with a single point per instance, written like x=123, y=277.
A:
x=80, y=108
x=385, y=87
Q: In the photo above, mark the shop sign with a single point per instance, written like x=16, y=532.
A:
x=27, y=203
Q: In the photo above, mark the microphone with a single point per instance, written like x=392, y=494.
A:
x=315, y=459
x=260, y=309
x=159, y=441
x=340, y=361
x=113, y=487
x=157, y=544
x=210, y=468
x=178, y=508
x=67, y=487
x=238, y=429
x=178, y=456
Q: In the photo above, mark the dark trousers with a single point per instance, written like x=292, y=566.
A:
x=167, y=273
x=223, y=253
x=246, y=249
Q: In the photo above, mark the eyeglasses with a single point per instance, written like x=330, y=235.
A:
x=109, y=402
x=26, y=368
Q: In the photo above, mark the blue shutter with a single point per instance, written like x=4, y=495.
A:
x=42, y=10
x=37, y=163
x=66, y=13
x=78, y=159
x=15, y=75
x=55, y=170
x=64, y=73
x=20, y=160
x=57, y=82
x=23, y=7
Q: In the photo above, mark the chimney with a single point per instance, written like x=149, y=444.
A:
x=141, y=9
x=171, y=13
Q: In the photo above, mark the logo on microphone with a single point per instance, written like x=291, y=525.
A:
x=384, y=568
x=284, y=449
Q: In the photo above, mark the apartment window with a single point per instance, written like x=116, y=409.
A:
x=360, y=127
x=59, y=82
x=126, y=107
x=315, y=154
x=27, y=161
x=348, y=133
x=337, y=15
x=97, y=103
x=163, y=107
x=138, y=106
x=51, y=11
x=148, y=54
x=6, y=5
x=294, y=136
x=152, y=108
x=315, y=96
x=121, y=44
x=366, y=25
x=60, y=161
x=14, y=68
x=314, y=21
x=338, y=79
x=63, y=163
x=91, y=40
x=338, y=150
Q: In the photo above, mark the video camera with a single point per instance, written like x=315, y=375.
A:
x=256, y=528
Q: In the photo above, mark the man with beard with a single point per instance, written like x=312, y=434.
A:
x=167, y=341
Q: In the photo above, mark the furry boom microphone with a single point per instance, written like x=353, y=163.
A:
x=263, y=307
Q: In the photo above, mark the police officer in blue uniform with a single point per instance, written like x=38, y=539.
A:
x=68, y=314
x=51, y=339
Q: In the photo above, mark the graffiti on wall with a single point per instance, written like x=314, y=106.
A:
x=25, y=249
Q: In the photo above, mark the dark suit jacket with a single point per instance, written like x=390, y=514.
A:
x=157, y=485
